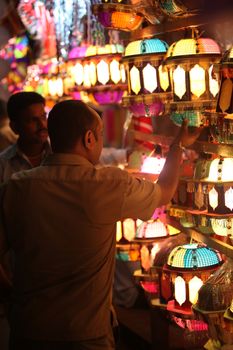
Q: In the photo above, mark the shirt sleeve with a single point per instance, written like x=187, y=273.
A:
x=140, y=199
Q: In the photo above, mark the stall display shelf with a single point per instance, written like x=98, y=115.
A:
x=224, y=150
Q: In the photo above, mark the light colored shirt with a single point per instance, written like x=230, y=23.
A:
x=12, y=160
x=59, y=219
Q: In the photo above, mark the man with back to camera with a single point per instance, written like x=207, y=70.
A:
x=59, y=220
x=26, y=111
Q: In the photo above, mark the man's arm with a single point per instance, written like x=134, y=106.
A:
x=169, y=176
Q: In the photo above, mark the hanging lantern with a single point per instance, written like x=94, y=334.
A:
x=225, y=101
x=220, y=194
x=103, y=75
x=189, y=266
x=148, y=80
x=195, y=88
x=117, y=16
x=149, y=235
x=126, y=249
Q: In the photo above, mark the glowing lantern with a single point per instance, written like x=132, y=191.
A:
x=221, y=193
x=225, y=104
x=147, y=235
x=189, y=267
x=117, y=16
x=221, y=170
x=222, y=227
x=104, y=76
x=153, y=165
x=148, y=81
x=190, y=63
x=127, y=250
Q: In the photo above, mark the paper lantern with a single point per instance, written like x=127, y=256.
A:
x=189, y=266
x=195, y=88
x=148, y=81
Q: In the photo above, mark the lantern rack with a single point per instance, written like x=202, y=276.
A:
x=197, y=20
x=224, y=150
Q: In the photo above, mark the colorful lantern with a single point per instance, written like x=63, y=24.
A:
x=195, y=88
x=117, y=16
x=225, y=104
x=101, y=74
x=127, y=250
x=149, y=235
x=189, y=266
x=148, y=80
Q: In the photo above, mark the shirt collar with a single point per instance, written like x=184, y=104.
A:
x=15, y=151
x=66, y=159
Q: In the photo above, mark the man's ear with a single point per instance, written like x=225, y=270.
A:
x=14, y=127
x=89, y=139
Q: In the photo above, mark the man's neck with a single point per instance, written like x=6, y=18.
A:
x=31, y=150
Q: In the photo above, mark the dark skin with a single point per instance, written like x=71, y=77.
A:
x=31, y=127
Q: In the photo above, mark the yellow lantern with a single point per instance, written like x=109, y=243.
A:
x=148, y=80
x=195, y=88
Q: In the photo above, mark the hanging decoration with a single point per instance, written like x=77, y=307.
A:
x=195, y=87
x=16, y=53
x=148, y=81
x=225, y=101
x=189, y=267
x=40, y=24
x=118, y=16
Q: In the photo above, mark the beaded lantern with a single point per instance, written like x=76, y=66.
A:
x=148, y=81
x=188, y=267
x=195, y=88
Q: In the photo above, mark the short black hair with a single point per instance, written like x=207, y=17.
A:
x=68, y=121
x=20, y=101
